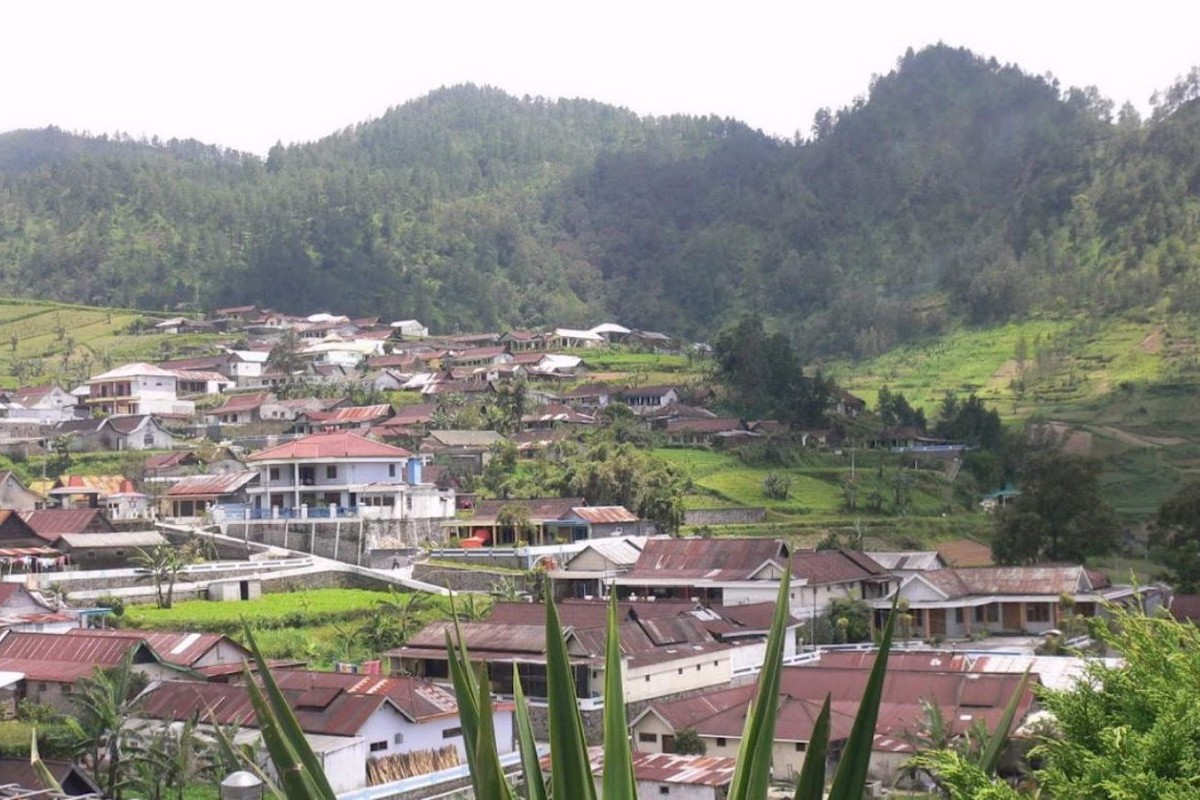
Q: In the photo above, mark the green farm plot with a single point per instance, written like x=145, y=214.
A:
x=283, y=610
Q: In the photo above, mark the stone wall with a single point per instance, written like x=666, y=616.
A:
x=350, y=540
x=469, y=580
x=724, y=516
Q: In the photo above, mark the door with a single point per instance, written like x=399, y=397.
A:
x=668, y=743
x=937, y=622
x=1011, y=615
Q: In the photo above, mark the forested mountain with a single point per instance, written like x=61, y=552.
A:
x=955, y=189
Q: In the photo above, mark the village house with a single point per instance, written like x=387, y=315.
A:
x=543, y=521
x=22, y=779
x=116, y=550
x=590, y=571
x=239, y=409
x=343, y=470
x=344, y=418
x=680, y=777
x=589, y=397
x=208, y=654
x=25, y=612
x=193, y=496
x=957, y=602
x=464, y=451
x=409, y=329
x=664, y=651
x=719, y=716
x=137, y=388
x=728, y=571
x=117, y=432
x=648, y=399
x=52, y=663
x=15, y=495
x=46, y=404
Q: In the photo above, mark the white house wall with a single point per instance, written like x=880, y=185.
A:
x=680, y=675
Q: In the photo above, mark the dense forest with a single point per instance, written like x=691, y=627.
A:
x=956, y=189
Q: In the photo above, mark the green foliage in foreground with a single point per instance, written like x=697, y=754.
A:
x=1130, y=733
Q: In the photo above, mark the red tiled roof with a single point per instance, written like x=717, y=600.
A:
x=340, y=444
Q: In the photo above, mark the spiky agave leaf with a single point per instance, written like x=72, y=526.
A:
x=272, y=708
x=811, y=784
x=232, y=754
x=851, y=775
x=570, y=769
x=530, y=763
x=989, y=758
x=618, y=781
x=752, y=775
x=489, y=779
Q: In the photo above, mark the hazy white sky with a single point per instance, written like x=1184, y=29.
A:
x=245, y=74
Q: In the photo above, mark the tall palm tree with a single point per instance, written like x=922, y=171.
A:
x=105, y=704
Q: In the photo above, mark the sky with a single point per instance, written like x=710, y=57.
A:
x=247, y=74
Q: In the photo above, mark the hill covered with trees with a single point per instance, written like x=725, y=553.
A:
x=957, y=189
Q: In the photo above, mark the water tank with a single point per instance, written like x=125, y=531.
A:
x=241, y=785
x=412, y=471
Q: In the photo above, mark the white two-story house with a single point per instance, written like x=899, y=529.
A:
x=347, y=471
x=137, y=388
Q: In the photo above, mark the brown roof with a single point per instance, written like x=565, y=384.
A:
x=322, y=711
x=710, y=559
x=340, y=444
x=210, y=485
x=61, y=658
x=1186, y=607
x=540, y=509
x=835, y=566
x=966, y=553
x=603, y=515
x=174, y=647
x=241, y=402
x=704, y=425
x=1041, y=580
x=351, y=414
x=173, y=459
x=52, y=523
x=480, y=352
x=417, y=699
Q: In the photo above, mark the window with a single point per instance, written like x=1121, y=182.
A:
x=958, y=616
x=801, y=747
x=647, y=738
x=65, y=688
x=391, y=470
x=398, y=739
x=697, y=668
x=273, y=473
x=681, y=670
x=450, y=733
x=377, y=746
x=408, y=502
x=647, y=679
x=664, y=790
x=42, y=687
x=330, y=471
x=720, y=741
x=148, y=438
x=993, y=613
x=1037, y=612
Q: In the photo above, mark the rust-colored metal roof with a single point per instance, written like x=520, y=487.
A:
x=330, y=712
x=540, y=509
x=1035, y=580
x=707, y=559
x=240, y=402
x=704, y=425
x=835, y=566
x=210, y=485
x=351, y=414
x=51, y=523
x=61, y=658
x=966, y=553
x=174, y=647
x=340, y=444
x=677, y=769
x=417, y=699
x=604, y=515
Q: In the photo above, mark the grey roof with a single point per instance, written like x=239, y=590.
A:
x=466, y=438
x=118, y=539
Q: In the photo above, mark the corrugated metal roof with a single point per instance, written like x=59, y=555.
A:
x=677, y=769
x=604, y=515
x=174, y=647
x=61, y=658
x=418, y=699
x=351, y=414
x=240, y=402
x=77, y=541
x=51, y=523
x=340, y=444
x=709, y=559
x=210, y=485
x=966, y=553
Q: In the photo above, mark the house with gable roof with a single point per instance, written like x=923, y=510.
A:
x=345, y=470
x=727, y=571
x=956, y=602
x=137, y=388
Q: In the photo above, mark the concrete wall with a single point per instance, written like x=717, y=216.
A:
x=349, y=540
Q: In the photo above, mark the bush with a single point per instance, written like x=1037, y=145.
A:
x=777, y=485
